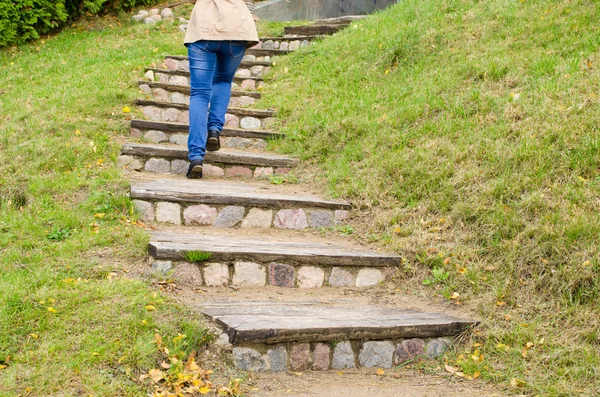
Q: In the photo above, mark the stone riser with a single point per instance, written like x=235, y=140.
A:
x=337, y=356
x=156, y=136
x=284, y=43
x=155, y=113
x=210, y=170
x=233, y=216
x=246, y=69
x=246, y=83
x=166, y=95
x=251, y=274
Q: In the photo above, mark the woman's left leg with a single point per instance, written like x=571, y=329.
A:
x=229, y=57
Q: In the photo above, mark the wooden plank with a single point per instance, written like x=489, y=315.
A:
x=222, y=156
x=236, y=79
x=313, y=29
x=186, y=90
x=246, y=64
x=294, y=38
x=184, y=106
x=267, y=323
x=267, y=251
x=205, y=192
x=227, y=132
x=259, y=52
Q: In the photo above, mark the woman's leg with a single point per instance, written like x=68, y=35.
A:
x=229, y=56
x=203, y=60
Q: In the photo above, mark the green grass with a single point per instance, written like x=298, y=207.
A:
x=468, y=131
x=73, y=321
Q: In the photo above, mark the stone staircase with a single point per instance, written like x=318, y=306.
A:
x=257, y=235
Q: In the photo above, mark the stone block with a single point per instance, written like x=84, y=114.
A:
x=341, y=216
x=291, y=219
x=234, y=102
x=155, y=136
x=282, y=171
x=284, y=46
x=149, y=75
x=223, y=342
x=184, y=117
x=249, y=58
x=184, y=65
x=321, y=357
x=171, y=114
x=124, y=160
x=250, y=123
x=168, y=212
x=408, y=350
x=257, y=70
x=145, y=88
x=343, y=356
x=320, y=219
x=238, y=172
x=145, y=209
x=300, y=357
x=178, y=97
x=166, y=13
x=281, y=275
x=236, y=142
x=231, y=121
x=143, y=13
x=276, y=45
x=216, y=275
x=341, y=278
x=135, y=133
x=263, y=172
x=179, y=166
x=160, y=94
x=199, y=215
x=258, y=218
x=161, y=77
x=179, y=139
x=159, y=166
x=230, y=216
x=246, y=101
x=248, y=359
x=259, y=144
x=154, y=11
x=243, y=73
x=376, y=354
x=367, y=277
x=294, y=45
x=248, y=84
x=152, y=113
x=212, y=171
x=249, y=274
x=267, y=45
x=162, y=266
x=149, y=20
x=277, y=359
x=179, y=80
x=310, y=277
x=171, y=64
x=304, y=43
x=157, y=17
x=437, y=347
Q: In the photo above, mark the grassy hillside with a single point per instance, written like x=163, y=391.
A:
x=470, y=132
x=74, y=318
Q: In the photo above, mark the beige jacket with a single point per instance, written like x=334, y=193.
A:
x=221, y=20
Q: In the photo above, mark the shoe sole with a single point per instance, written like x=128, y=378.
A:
x=196, y=172
x=213, y=144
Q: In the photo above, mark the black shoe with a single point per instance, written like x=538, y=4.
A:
x=213, y=143
x=195, y=170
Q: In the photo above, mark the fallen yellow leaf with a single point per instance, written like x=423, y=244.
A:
x=529, y=345
x=95, y=354
x=156, y=375
x=517, y=383
x=476, y=375
x=455, y=295
x=204, y=390
x=34, y=336
x=51, y=309
x=126, y=109
x=500, y=303
x=150, y=308
x=380, y=372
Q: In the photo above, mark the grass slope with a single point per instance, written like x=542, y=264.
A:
x=469, y=131
x=72, y=321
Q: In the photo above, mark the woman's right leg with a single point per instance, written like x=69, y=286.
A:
x=202, y=68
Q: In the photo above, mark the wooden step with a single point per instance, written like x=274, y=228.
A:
x=243, y=64
x=323, y=26
x=169, y=127
x=241, y=112
x=186, y=89
x=182, y=78
x=267, y=322
x=228, y=157
x=172, y=245
x=226, y=193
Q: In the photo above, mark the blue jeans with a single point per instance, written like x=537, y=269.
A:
x=212, y=67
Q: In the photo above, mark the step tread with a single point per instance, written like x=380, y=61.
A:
x=228, y=193
x=227, y=132
x=244, y=63
x=268, y=322
x=222, y=156
x=184, y=106
x=186, y=90
x=187, y=74
x=171, y=245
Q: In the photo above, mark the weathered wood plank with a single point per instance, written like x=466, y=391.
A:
x=313, y=29
x=179, y=127
x=186, y=90
x=184, y=106
x=244, y=64
x=236, y=79
x=222, y=156
x=226, y=194
x=267, y=323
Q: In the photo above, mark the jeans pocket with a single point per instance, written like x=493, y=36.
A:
x=198, y=46
x=237, y=48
